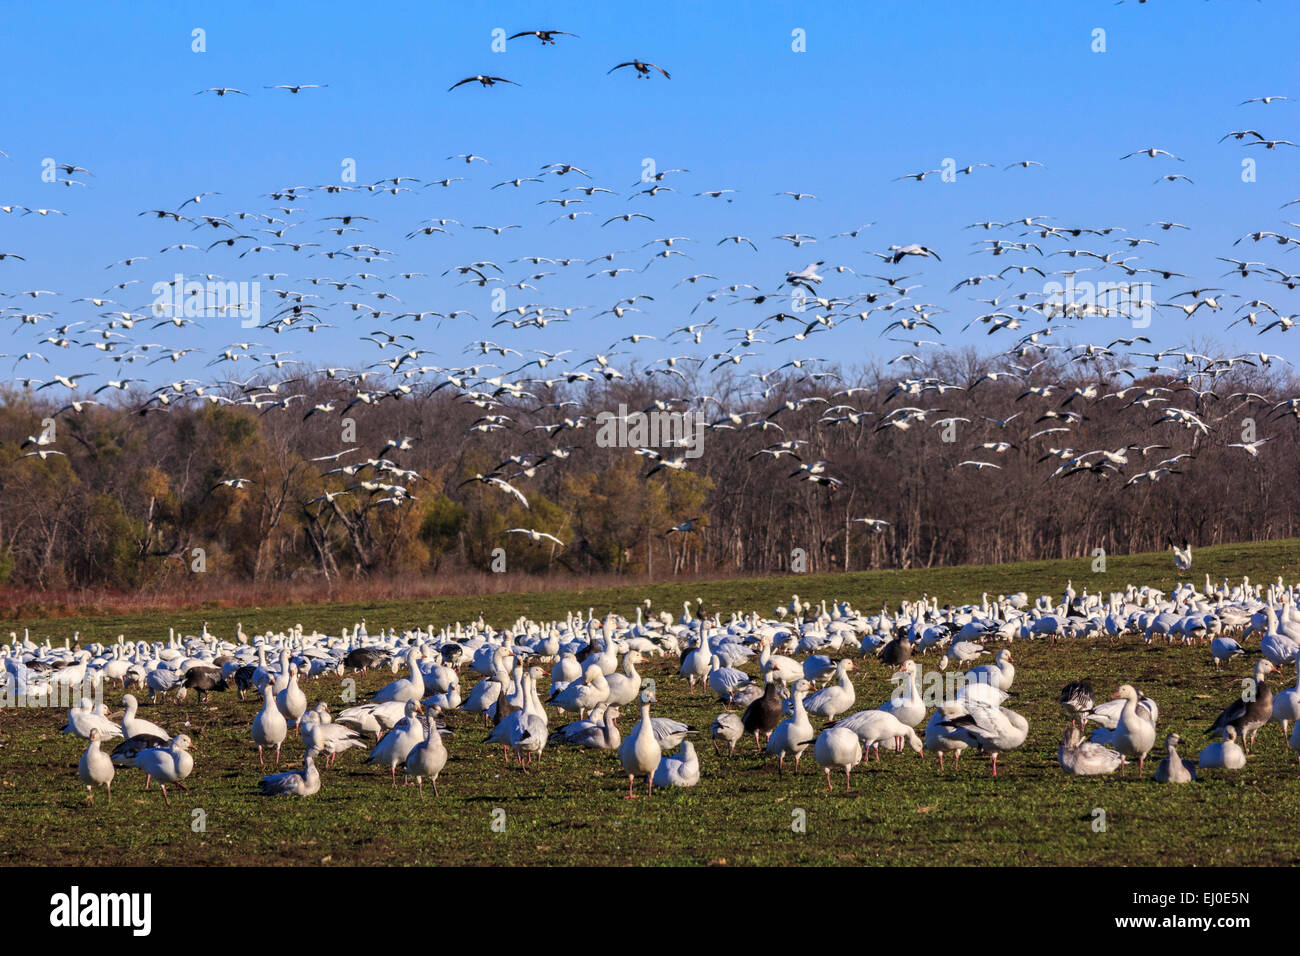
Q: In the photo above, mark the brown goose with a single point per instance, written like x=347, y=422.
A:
x=897, y=651
x=763, y=714
x=1247, y=716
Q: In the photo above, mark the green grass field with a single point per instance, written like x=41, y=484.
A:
x=568, y=808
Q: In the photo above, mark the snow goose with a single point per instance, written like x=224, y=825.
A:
x=906, y=702
x=1286, y=703
x=325, y=737
x=1109, y=713
x=1000, y=674
x=625, y=685
x=404, y=688
x=834, y=699
x=679, y=771
x=695, y=662
x=993, y=729
x=133, y=726
x=293, y=783
x=528, y=728
x=397, y=743
x=428, y=757
x=1224, y=649
x=725, y=681
x=1134, y=734
x=1173, y=769
x=795, y=734
x=765, y=713
x=374, y=718
x=83, y=719
x=728, y=728
x=269, y=726
x=943, y=738
x=1225, y=754
x=639, y=752
x=291, y=701
x=1086, y=759
x=170, y=764
x=786, y=668
x=962, y=652
x=838, y=747
x=1077, y=699
x=582, y=695
x=1248, y=716
x=875, y=726
x=818, y=667
x=96, y=767
x=599, y=732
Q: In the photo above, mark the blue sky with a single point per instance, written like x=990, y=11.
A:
x=882, y=90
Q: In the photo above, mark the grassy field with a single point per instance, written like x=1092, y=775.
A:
x=569, y=809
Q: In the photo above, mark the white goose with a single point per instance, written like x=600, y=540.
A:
x=397, y=743
x=640, y=753
x=428, y=757
x=291, y=701
x=1173, y=769
x=833, y=699
x=1227, y=753
x=838, y=747
x=293, y=783
x=1086, y=759
x=908, y=706
x=405, y=688
x=170, y=764
x=269, y=726
x=1286, y=703
x=1000, y=674
x=793, y=735
x=1134, y=735
x=679, y=771
x=994, y=729
x=96, y=767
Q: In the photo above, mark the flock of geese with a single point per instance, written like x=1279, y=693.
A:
x=335, y=269
x=782, y=680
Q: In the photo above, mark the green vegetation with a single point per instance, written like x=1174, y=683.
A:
x=568, y=808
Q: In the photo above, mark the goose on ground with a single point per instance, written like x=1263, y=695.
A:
x=1286, y=704
x=1134, y=734
x=906, y=702
x=795, y=734
x=83, y=719
x=838, y=747
x=1077, y=699
x=874, y=727
x=995, y=730
x=428, y=757
x=293, y=783
x=397, y=743
x=291, y=701
x=1000, y=674
x=599, y=732
x=833, y=699
x=1224, y=649
x=1174, y=769
x=96, y=768
x=682, y=770
x=320, y=734
x=639, y=752
x=1226, y=754
x=942, y=737
x=1084, y=759
x=170, y=764
x=269, y=726
x=1248, y=716
x=404, y=688
x=764, y=714
x=727, y=727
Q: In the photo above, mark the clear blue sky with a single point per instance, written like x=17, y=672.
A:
x=883, y=90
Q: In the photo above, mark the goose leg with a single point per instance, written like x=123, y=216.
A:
x=165, y=797
x=848, y=778
x=630, y=794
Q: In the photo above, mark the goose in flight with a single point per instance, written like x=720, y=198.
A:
x=1153, y=152
x=642, y=69
x=222, y=90
x=546, y=36
x=1264, y=99
x=483, y=80
x=535, y=535
x=298, y=87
